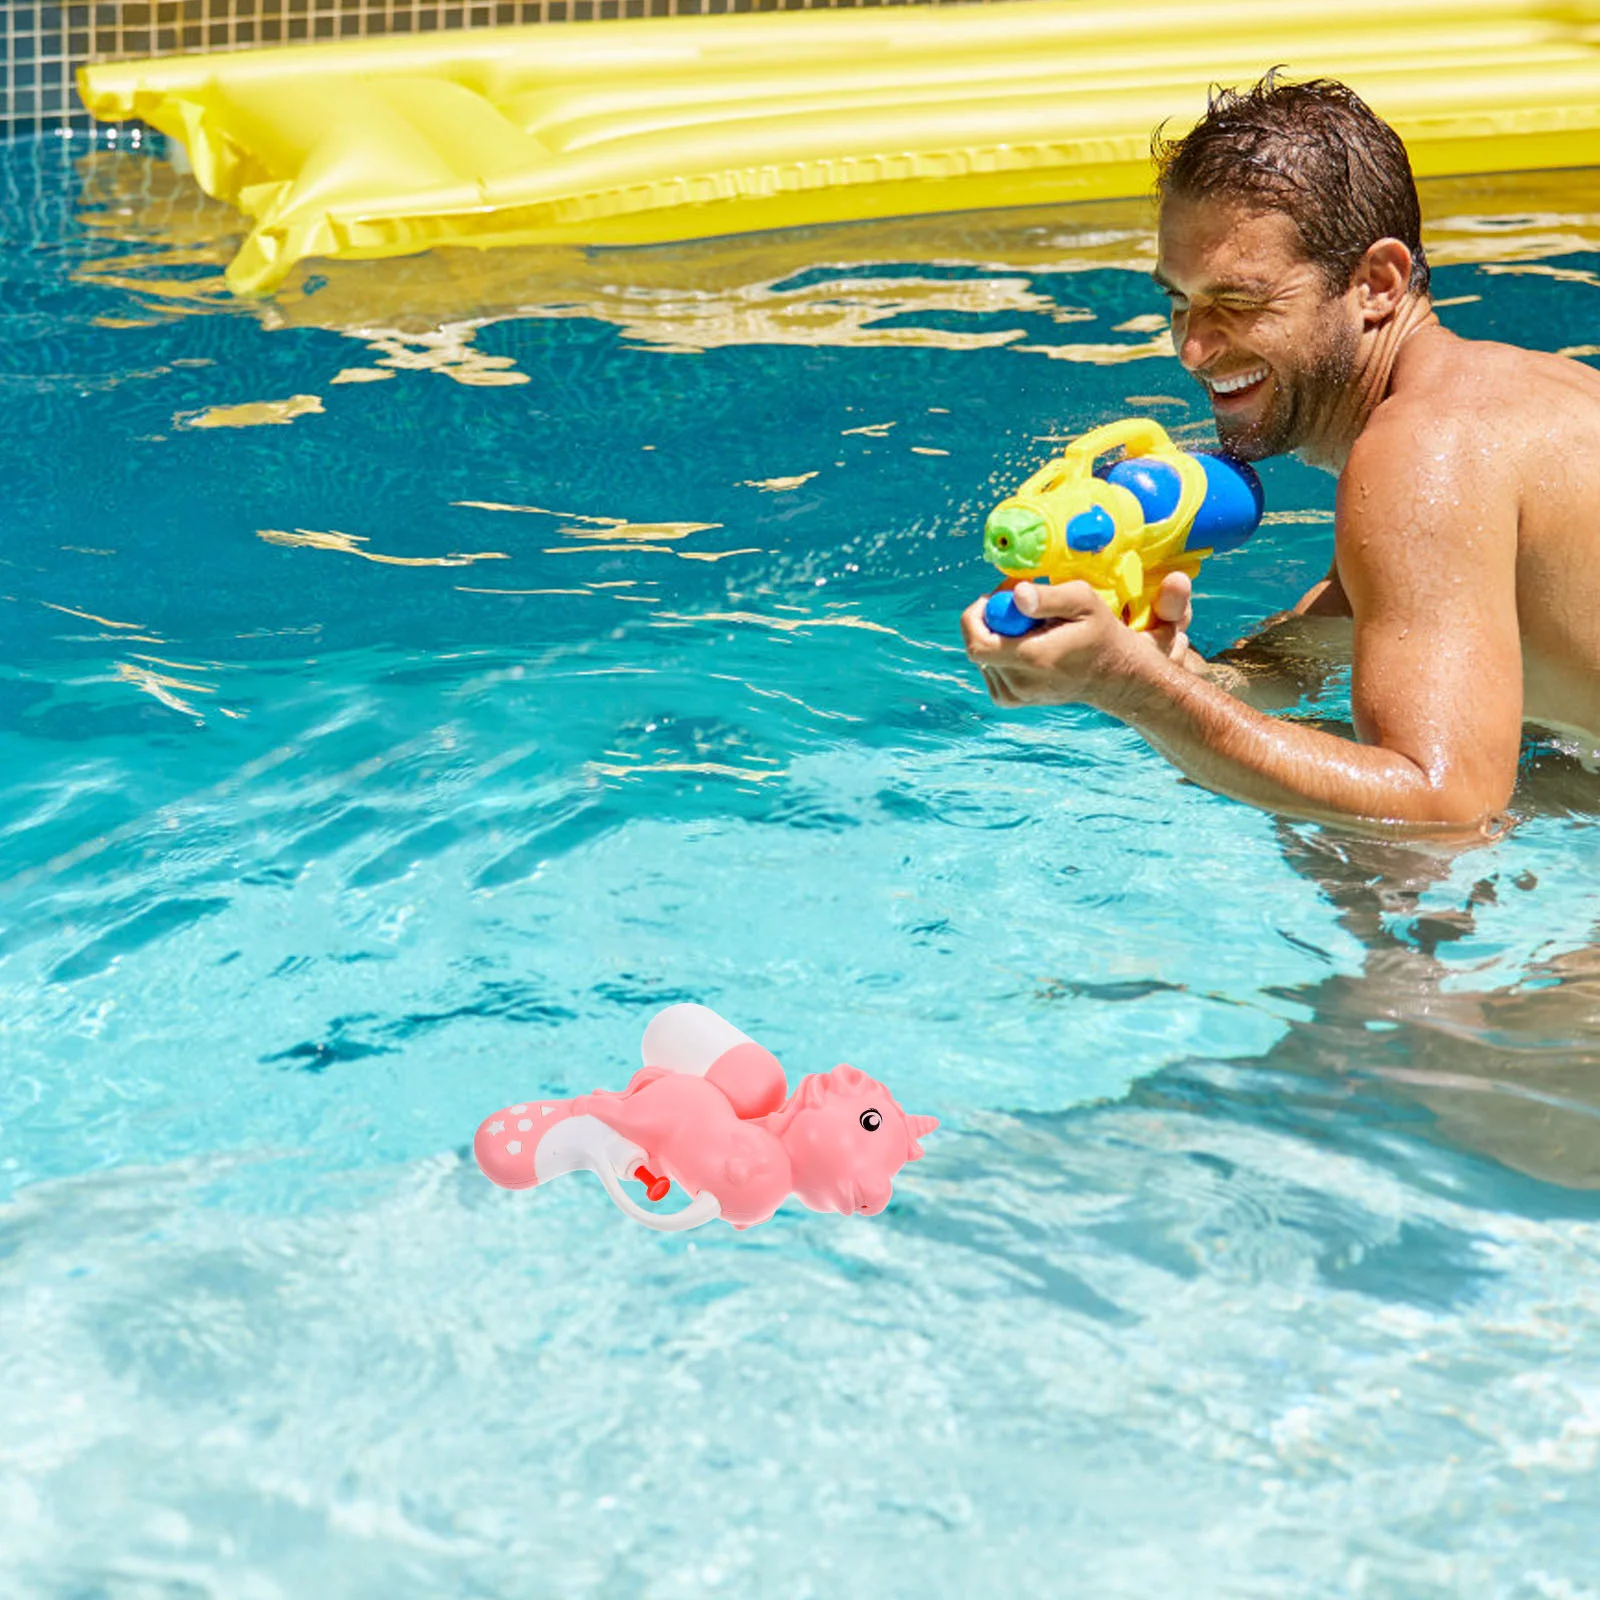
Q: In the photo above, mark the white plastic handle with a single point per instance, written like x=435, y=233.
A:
x=705, y=1207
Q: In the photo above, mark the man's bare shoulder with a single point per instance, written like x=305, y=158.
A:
x=1474, y=421
x=1419, y=443
x=1438, y=475
x=1467, y=386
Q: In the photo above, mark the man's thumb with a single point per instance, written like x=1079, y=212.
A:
x=1049, y=601
x=1174, y=600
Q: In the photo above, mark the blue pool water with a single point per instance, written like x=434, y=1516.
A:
x=593, y=648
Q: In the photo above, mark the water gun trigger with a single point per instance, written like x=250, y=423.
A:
x=655, y=1187
x=1130, y=573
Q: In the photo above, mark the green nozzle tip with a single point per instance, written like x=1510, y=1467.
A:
x=1014, y=538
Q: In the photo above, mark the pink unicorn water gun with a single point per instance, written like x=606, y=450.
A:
x=710, y=1110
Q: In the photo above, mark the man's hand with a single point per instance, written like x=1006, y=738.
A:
x=1082, y=652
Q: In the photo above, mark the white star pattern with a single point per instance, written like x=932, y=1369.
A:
x=497, y=1127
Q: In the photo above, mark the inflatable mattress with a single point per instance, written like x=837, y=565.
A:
x=642, y=132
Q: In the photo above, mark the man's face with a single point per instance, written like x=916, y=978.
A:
x=1252, y=319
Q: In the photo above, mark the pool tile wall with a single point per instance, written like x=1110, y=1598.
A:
x=42, y=44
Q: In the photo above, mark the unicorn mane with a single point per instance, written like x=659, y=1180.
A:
x=816, y=1089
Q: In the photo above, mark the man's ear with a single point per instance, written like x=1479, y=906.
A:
x=1382, y=279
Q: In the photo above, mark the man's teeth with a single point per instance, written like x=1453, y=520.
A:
x=1240, y=380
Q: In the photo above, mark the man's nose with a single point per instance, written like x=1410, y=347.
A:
x=1200, y=341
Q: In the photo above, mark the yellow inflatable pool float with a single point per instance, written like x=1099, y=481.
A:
x=643, y=132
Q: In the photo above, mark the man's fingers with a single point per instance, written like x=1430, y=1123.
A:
x=998, y=690
x=976, y=633
x=1055, y=602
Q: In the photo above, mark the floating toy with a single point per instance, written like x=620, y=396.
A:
x=710, y=1111
x=645, y=131
x=1120, y=529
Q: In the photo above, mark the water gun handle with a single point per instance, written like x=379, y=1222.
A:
x=702, y=1209
x=1138, y=436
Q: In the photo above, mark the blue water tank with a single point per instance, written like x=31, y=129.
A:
x=1229, y=514
x=1154, y=484
x=1232, y=508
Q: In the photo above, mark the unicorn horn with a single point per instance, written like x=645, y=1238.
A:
x=917, y=1127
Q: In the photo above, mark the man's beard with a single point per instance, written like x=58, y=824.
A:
x=1299, y=403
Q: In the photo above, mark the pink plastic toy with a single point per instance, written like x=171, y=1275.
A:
x=709, y=1112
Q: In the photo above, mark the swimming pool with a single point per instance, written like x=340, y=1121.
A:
x=415, y=681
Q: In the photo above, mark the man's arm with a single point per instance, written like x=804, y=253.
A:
x=1426, y=542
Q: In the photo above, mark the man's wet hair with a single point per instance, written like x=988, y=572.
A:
x=1314, y=151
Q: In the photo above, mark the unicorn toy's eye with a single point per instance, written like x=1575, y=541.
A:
x=871, y=1121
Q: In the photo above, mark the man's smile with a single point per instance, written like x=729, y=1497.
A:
x=1236, y=383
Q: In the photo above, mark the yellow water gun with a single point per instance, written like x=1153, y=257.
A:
x=1122, y=528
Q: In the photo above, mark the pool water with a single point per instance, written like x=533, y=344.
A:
x=413, y=682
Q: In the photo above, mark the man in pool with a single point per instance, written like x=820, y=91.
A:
x=1467, y=523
